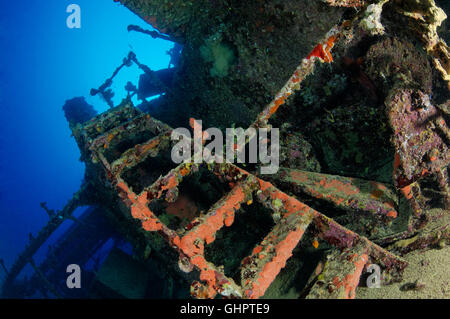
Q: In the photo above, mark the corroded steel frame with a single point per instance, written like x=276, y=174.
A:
x=268, y=257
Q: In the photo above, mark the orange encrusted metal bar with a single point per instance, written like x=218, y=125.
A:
x=138, y=203
x=190, y=256
x=222, y=213
x=329, y=230
x=140, y=152
x=341, y=274
x=215, y=281
x=268, y=258
x=139, y=208
x=280, y=203
x=137, y=153
x=109, y=120
x=321, y=52
x=141, y=122
x=202, y=229
x=167, y=184
x=344, y=192
x=343, y=238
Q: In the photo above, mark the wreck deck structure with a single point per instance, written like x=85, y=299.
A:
x=130, y=175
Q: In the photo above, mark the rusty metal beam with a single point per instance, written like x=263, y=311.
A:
x=351, y=194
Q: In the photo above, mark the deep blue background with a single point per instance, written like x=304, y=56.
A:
x=42, y=64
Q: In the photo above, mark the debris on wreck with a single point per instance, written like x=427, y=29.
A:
x=77, y=110
x=343, y=208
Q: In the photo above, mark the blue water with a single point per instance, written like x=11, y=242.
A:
x=44, y=63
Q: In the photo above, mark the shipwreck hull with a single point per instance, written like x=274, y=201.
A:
x=248, y=233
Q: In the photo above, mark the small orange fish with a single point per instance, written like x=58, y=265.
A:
x=315, y=243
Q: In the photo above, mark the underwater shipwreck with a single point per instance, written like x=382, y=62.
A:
x=360, y=93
